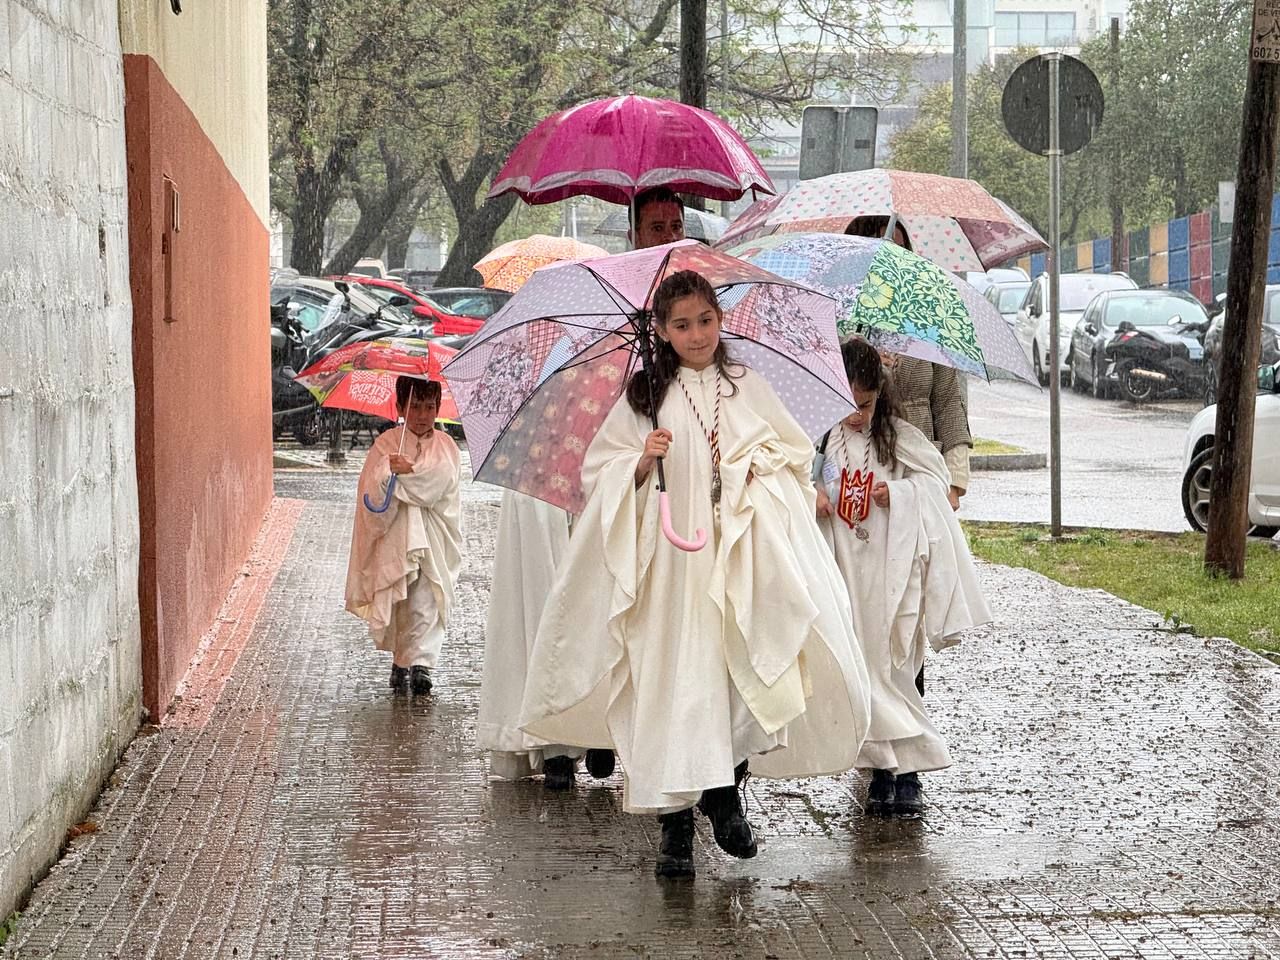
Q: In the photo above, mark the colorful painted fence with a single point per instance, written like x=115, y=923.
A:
x=1189, y=253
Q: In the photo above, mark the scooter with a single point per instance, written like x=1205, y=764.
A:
x=292, y=350
x=1151, y=362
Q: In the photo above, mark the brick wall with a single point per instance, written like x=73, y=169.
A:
x=69, y=632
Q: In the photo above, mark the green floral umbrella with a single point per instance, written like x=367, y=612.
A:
x=900, y=301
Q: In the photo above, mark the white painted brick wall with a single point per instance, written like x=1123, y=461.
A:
x=70, y=674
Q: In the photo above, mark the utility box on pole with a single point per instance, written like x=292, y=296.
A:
x=837, y=139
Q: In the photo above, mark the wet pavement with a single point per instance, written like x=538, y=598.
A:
x=1114, y=795
x=1121, y=463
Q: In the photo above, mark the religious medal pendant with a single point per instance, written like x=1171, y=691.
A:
x=715, y=488
x=861, y=533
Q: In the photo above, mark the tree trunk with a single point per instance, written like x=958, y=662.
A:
x=1224, y=548
x=693, y=52
x=477, y=223
x=400, y=230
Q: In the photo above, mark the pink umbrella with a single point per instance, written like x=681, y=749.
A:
x=616, y=147
x=955, y=223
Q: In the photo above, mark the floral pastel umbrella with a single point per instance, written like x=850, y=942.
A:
x=535, y=384
x=900, y=301
x=507, y=267
x=953, y=222
x=616, y=147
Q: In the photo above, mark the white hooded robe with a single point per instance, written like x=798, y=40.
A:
x=689, y=663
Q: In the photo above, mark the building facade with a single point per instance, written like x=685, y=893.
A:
x=135, y=443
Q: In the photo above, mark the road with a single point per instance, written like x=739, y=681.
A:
x=1121, y=463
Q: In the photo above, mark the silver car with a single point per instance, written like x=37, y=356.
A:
x=1075, y=290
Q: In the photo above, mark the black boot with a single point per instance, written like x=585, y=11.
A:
x=420, y=680
x=558, y=773
x=908, y=801
x=881, y=794
x=675, y=853
x=399, y=678
x=723, y=807
x=600, y=763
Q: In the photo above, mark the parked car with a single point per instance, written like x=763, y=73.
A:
x=1145, y=342
x=369, y=267
x=481, y=302
x=1007, y=296
x=1213, y=339
x=1075, y=290
x=1264, y=479
x=442, y=320
x=981, y=281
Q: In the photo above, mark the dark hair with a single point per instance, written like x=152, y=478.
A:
x=652, y=195
x=875, y=226
x=407, y=387
x=865, y=371
x=683, y=283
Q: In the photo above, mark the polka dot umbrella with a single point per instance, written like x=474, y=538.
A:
x=955, y=223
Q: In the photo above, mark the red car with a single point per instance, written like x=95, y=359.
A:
x=443, y=323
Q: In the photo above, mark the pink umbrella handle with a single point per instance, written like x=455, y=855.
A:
x=689, y=546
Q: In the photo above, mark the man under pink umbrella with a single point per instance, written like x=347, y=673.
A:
x=657, y=217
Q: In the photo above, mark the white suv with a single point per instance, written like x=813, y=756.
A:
x=1264, y=482
x=1075, y=290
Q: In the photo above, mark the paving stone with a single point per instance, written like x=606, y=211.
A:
x=1114, y=796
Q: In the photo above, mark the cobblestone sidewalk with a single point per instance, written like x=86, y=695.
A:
x=1114, y=795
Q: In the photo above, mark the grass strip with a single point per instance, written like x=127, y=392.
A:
x=1162, y=572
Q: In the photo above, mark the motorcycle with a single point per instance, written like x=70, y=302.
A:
x=292, y=405
x=1152, y=362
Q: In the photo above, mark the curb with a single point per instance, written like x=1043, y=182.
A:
x=283, y=460
x=1008, y=461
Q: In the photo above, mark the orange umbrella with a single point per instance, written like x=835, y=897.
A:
x=510, y=265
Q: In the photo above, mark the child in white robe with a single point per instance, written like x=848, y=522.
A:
x=405, y=561
x=883, y=506
x=532, y=538
x=688, y=663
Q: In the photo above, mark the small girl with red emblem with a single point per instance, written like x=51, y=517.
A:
x=883, y=507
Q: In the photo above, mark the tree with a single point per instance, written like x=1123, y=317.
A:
x=461, y=83
x=1176, y=112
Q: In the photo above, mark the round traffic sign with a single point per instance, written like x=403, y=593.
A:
x=1025, y=104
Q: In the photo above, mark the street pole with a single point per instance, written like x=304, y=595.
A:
x=693, y=63
x=959, y=90
x=724, y=78
x=1055, y=376
x=693, y=52
x=1224, y=548
x=1119, y=255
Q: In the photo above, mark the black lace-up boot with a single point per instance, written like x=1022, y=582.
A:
x=600, y=763
x=723, y=807
x=908, y=802
x=558, y=773
x=420, y=680
x=675, y=853
x=880, y=795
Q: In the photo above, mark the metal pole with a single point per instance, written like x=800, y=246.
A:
x=724, y=77
x=959, y=89
x=1055, y=376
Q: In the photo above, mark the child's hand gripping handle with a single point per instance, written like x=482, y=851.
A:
x=386, y=503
